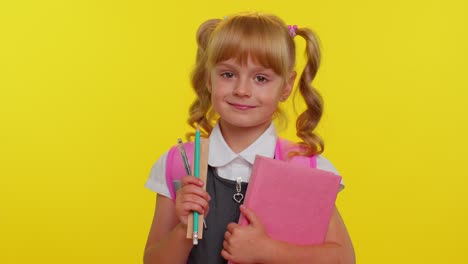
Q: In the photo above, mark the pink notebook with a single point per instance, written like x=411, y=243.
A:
x=294, y=202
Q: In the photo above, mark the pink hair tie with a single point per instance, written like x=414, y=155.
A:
x=292, y=30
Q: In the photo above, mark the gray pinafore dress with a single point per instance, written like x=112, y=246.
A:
x=223, y=210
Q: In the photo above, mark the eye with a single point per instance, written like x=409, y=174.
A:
x=227, y=75
x=260, y=78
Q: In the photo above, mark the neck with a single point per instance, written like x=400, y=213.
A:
x=239, y=138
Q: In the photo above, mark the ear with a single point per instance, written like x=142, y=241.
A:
x=208, y=82
x=288, y=86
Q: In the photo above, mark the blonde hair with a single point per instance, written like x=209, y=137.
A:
x=267, y=40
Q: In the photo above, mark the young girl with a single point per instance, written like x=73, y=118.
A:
x=244, y=69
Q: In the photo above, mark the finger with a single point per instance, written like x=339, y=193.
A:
x=190, y=202
x=189, y=207
x=191, y=180
x=227, y=235
x=226, y=255
x=192, y=198
x=231, y=227
x=196, y=200
x=194, y=189
x=226, y=245
x=250, y=215
x=207, y=211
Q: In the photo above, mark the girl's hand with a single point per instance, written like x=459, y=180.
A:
x=191, y=197
x=246, y=244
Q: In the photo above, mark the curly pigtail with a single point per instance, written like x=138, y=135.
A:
x=307, y=121
x=200, y=111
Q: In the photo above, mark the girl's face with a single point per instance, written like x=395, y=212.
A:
x=247, y=96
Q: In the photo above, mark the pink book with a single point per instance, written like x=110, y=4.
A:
x=294, y=202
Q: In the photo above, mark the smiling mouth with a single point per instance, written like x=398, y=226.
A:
x=241, y=106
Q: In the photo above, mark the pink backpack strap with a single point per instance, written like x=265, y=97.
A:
x=175, y=169
x=283, y=147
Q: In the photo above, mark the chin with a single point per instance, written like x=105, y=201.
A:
x=243, y=123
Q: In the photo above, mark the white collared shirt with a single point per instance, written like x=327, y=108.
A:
x=228, y=164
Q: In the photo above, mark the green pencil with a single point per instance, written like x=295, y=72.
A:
x=196, y=172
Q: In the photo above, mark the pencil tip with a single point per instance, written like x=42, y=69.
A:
x=179, y=141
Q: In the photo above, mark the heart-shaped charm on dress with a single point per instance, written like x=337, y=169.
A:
x=238, y=197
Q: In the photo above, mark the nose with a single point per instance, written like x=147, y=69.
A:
x=242, y=89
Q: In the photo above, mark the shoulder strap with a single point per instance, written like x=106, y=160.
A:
x=283, y=147
x=175, y=166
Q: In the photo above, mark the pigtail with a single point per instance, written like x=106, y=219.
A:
x=307, y=121
x=200, y=112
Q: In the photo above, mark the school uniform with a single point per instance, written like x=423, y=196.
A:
x=224, y=169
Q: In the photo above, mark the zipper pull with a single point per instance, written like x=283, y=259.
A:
x=238, y=197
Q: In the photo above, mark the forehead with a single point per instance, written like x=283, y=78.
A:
x=264, y=45
x=250, y=63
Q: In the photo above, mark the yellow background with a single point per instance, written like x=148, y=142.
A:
x=92, y=92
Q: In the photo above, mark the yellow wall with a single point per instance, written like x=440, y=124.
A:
x=92, y=92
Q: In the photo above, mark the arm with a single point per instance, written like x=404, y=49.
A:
x=167, y=241
x=336, y=249
x=251, y=244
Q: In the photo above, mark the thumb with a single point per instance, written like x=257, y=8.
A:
x=250, y=215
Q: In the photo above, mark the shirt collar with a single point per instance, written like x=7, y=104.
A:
x=221, y=154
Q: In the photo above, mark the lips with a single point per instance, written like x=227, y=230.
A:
x=241, y=106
